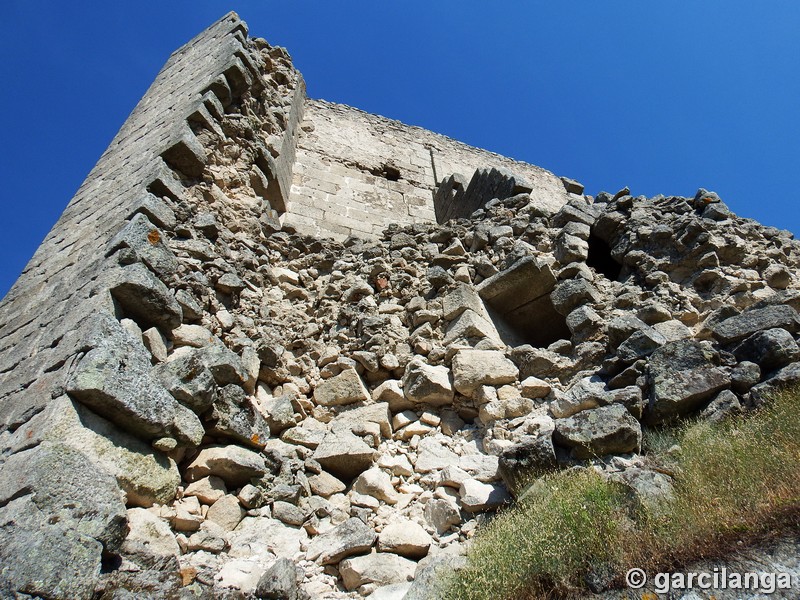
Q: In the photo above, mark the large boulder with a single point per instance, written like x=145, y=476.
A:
x=682, y=378
x=599, y=431
x=738, y=327
x=189, y=382
x=770, y=349
x=234, y=416
x=405, y=538
x=380, y=568
x=425, y=384
x=344, y=455
x=236, y=466
x=144, y=297
x=351, y=537
x=58, y=515
x=344, y=388
x=474, y=368
x=114, y=379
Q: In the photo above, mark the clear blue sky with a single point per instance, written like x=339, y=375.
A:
x=663, y=97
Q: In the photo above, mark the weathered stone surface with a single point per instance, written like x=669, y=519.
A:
x=724, y=405
x=599, y=431
x=432, y=455
x=424, y=384
x=441, y=514
x=226, y=366
x=405, y=538
x=345, y=388
x=533, y=454
x=380, y=568
x=682, y=377
x=523, y=282
x=141, y=236
x=150, y=535
x=144, y=297
x=234, y=416
x=233, y=464
x=473, y=368
x=377, y=483
x=477, y=496
x=57, y=515
x=226, y=512
x=44, y=558
x=472, y=327
x=146, y=476
x=770, y=349
x=208, y=489
x=344, y=455
x=570, y=294
x=749, y=322
x=351, y=537
x=281, y=582
x=189, y=382
x=114, y=380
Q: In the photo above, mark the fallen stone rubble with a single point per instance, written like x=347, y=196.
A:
x=340, y=417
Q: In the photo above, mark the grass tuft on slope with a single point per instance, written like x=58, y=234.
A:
x=735, y=482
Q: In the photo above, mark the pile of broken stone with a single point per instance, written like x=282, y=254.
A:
x=344, y=416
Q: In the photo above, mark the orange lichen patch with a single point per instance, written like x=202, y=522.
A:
x=154, y=237
x=708, y=200
x=188, y=575
x=382, y=283
x=255, y=439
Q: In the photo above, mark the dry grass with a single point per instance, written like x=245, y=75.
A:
x=735, y=483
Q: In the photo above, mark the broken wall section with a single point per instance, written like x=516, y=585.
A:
x=356, y=173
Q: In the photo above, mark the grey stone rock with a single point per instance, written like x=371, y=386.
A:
x=599, y=431
x=426, y=384
x=235, y=417
x=532, y=455
x=738, y=327
x=379, y=568
x=405, y=538
x=744, y=376
x=141, y=236
x=477, y=496
x=351, y=537
x=471, y=327
x=648, y=489
x=43, y=558
x=724, y=405
x=114, y=380
x=640, y=344
x=770, y=349
x=144, y=297
x=234, y=465
x=682, y=378
x=570, y=294
x=225, y=365
x=344, y=455
x=782, y=378
x=189, y=382
x=281, y=582
x=58, y=514
x=429, y=578
x=521, y=283
x=345, y=388
x=146, y=476
x=474, y=368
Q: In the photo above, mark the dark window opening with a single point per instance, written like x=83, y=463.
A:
x=536, y=323
x=600, y=258
x=388, y=172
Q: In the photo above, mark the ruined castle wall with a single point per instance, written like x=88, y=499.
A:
x=50, y=296
x=356, y=172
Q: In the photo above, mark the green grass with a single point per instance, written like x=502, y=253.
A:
x=735, y=482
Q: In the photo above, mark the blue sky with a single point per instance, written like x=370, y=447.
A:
x=662, y=97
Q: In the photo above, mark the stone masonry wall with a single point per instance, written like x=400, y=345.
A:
x=356, y=172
